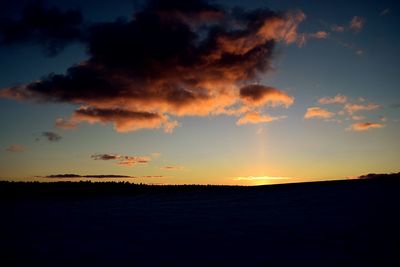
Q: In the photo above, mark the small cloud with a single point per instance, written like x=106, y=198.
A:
x=172, y=168
x=16, y=148
x=351, y=108
x=359, y=52
x=302, y=38
x=71, y=175
x=128, y=161
x=357, y=118
x=105, y=156
x=319, y=35
x=382, y=118
x=51, y=136
x=97, y=176
x=385, y=12
x=338, y=99
x=338, y=28
x=360, y=127
x=357, y=23
x=260, y=130
x=317, y=112
x=256, y=117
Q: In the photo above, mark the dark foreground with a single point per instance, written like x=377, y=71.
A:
x=344, y=223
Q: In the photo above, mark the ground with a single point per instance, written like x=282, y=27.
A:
x=342, y=223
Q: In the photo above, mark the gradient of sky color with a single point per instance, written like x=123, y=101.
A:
x=359, y=63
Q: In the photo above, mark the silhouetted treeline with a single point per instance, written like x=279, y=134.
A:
x=89, y=189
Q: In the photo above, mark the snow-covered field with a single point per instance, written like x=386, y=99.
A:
x=343, y=223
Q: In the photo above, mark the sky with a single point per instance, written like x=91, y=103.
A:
x=199, y=92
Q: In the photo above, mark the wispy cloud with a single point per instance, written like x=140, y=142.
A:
x=317, y=112
x=172, y=168
x=123, y=160
x=385, y=12
x=304, y=37
x=338, y=99
x=97, y=176
x=351, y=108
x=357, y=23
x=256, y=117
x=357, y=118
x=16, y=148
x=319, y=35
x=364, y=126
x=337, y=28
x=51, y=136
x=71, y=175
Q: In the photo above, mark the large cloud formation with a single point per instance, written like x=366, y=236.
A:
x=50, y=27
x=171, y=59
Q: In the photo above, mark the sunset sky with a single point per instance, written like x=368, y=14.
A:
x=195, y=92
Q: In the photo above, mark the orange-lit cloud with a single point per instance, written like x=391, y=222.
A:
x=133, y=83
x=304, y=37
x=122, y=160
x=259, y=95
x=133, y=160
x=317, y=112
x=319, y=35
x=256, y=117
x=123, y=120
x=16, y=148
x=338, y=28
x=351, y=108
x=357, y=23
x=357, y=118
x=338, y=99
x=364, y=126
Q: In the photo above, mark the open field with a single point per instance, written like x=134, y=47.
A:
x=341, y=223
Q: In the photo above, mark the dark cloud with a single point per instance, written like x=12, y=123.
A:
x=70, y=175
x=51, y=136
x=123, y=160
x=105, y=156
x=172, y=168
x=257, y=94
x=173, y=58
x=50, y=27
